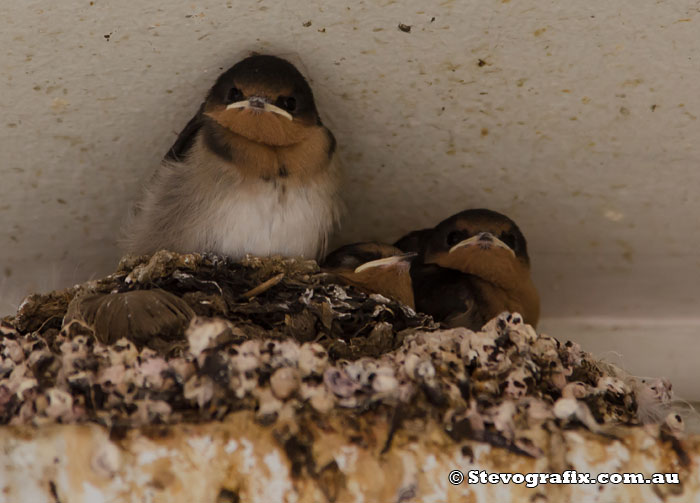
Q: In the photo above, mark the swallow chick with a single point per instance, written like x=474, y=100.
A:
x=475, y=266
x=374, y=267
x=253, y=172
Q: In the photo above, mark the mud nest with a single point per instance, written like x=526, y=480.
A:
x=175, y=338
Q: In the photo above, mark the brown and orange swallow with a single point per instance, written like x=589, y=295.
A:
x=253, y=172
x=374, y=267
x=474, y=266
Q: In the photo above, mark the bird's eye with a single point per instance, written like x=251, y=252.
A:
x=455, y=237
x=234, y=95
x=288, y=103
x=508, y=239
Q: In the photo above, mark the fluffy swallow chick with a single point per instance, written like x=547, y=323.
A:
x=490, y=253
x=253, y=172
x=374, y=267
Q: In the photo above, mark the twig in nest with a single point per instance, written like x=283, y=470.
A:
x=264, y=286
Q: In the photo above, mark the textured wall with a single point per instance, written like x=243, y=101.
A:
x=578, y=119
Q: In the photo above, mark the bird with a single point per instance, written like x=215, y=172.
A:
x=473, y=266
x=253, y=172
x=374, y=267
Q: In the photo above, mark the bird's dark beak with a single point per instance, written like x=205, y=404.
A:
x=483, y=238
x=394, y=260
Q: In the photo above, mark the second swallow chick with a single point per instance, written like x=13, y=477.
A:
x=475, y=267
x=374, y=267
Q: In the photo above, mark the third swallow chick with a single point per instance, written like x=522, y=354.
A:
x=374, y=267
x=490, y=252
x=253, y=172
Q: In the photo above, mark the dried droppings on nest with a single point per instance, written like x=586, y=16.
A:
x=39, y=311
x=147, y=269
x=297, y=348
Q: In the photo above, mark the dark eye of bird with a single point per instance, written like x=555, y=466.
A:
x=455, y=237
x=288, y=103
x=508, y=239
x=234, y=95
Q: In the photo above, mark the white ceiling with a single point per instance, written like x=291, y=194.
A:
x=577, y=119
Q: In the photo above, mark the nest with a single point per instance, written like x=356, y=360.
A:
x=282, y=339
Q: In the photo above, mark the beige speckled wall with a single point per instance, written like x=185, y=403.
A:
x=578, y=119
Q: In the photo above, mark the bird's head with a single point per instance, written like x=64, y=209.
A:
x=264, y=99
x=376, y=267
x=475, y=239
